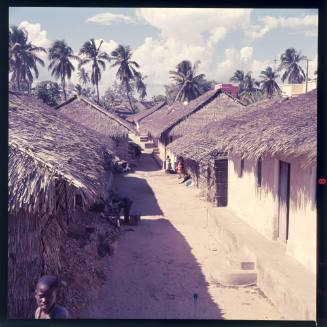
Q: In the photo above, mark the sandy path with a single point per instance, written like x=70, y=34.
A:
x=160, y=264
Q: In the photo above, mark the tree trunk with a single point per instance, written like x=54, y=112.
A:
x=97, y=86
x=128, y=97
x=64, y=88
x=18, y=80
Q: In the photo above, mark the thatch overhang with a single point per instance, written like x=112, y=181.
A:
x=145, y=113
x=169, y=116
x=48, y=151
x=96, y=118
x=285, y=129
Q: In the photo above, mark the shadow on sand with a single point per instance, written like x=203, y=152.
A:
x=154, y=275
x=147, y=163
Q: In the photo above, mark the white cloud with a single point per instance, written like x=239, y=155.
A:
x=189, y=24
x=313, y=33
x=241, y=59
x=109, y=18
x=36, y=35
x=184, y=33
x=268, y=23
x=246, y=54
x=157, y=56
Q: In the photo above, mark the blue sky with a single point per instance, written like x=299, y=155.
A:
x=222, y=39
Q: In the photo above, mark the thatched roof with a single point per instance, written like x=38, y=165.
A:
x=285, y=129
x=220, y=107
x=96, y=118
x=169, y=116
x=145, y=113
x=47, y=150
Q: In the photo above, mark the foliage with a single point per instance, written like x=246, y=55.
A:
x=48, y=92
x=269, y=85
x=127, y=73
x=92, y=55
x=23, y=58
x=159, y=98
x=290, y=64
x=60, y=56
x=188, y=84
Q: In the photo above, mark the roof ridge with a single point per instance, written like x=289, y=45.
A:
x=74, y=97
x=163, y=103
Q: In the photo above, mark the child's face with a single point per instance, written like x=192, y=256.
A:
x=45, y=297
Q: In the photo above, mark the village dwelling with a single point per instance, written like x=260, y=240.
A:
x=160, y=124
x=57, y=171
x=268, y=179
x=107, y=125
x=138, y=117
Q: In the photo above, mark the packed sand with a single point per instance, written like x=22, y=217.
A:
x=162, y=268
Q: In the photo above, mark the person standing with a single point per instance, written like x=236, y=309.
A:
x=180, y=167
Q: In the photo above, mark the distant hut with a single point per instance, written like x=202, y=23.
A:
x=108, y=125
x=163, y=125
x=55, y=170
x=138, y=117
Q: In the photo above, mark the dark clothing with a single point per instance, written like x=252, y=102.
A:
x=56, y=312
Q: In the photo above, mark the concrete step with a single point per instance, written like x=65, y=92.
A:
x=237, y=277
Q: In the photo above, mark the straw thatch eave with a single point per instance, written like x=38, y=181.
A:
x=283, y=129
x=46, y=151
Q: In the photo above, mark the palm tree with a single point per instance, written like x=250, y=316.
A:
x=293, y=72
x=269, y=84
x=83, y=76
x=127, y=71
x=239, y=78
x=60, y=55
x=190, y=85
x=97, y=58
x=23, y=57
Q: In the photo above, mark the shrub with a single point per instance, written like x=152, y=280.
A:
x=48, y=92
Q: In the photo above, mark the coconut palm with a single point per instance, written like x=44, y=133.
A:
x=60, y=56
x=95, y=57
x=290, y=63
x=23, y=58
x=268, y=84
x=189, y=85
x=140, y=85
x=127, y=71
x=239, y=77
x=83, y=76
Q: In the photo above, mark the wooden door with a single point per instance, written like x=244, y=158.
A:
x=283, y=200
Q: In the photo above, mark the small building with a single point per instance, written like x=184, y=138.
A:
x=227, y=88
x=107, y=125
x=57, y=171
x=290, y=90
x=138, y=117
x=161, y=123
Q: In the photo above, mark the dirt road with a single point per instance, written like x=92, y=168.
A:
x=162, y=267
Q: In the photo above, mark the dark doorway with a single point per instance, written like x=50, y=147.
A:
x=221, y=178
x=283, y=200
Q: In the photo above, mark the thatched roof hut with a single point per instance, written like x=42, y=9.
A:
x=283, y=128
x=145, y=113
x=41, y=139
x=55, y=167
x=222, y=106
x=169, y=116
x=96, y=118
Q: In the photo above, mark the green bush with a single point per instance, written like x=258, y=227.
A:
x=48, y=92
